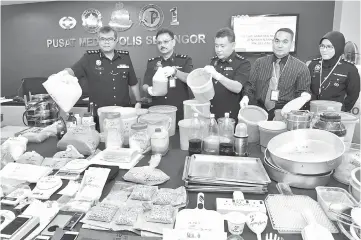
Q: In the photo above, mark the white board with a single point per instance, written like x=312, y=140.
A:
x=255, y=33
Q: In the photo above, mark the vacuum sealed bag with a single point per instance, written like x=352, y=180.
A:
x=70, y=152
x=31, y=158
x=83, y=138
x=12, y=149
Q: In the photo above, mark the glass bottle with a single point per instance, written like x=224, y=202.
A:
x=211, y=142
x=226, y=131
x=195, y=136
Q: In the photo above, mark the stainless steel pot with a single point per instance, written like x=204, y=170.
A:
x=294, y=180
x=298, y=119
x=306, y=151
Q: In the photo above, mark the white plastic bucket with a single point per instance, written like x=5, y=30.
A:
x=325, y=105
x=200, y=82
x=194, y=106
x=127, y=115
x=349, y=120
x=184, y=129
x=251, y=116
x=167, y=110
x=160, y=88
x=156, y=120
x=270, y=129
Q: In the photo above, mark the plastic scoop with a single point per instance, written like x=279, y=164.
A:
x=257, y=222
x=295, y=104
x=314, y=231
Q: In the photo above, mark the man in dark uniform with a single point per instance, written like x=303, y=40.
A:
x=109, y=72
x=332, y=77
x=176, y=68
x=230, y=72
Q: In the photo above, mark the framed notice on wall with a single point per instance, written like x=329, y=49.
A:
x=254, y=33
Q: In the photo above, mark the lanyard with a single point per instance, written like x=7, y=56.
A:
x=325, y=79
x=274, y=70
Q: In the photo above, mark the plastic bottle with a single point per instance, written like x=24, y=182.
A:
x=226, y=131
x=211, y=142
x=160, y=142
x=195, y=136
x=70, y=121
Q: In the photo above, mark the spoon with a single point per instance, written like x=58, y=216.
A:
x=257, y=222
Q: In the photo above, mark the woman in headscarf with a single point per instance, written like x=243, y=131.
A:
x=332, y=77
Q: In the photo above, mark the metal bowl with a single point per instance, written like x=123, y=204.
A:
x=307, y=151
x=294, y=180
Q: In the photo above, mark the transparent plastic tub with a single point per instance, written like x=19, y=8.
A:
x=337, y=199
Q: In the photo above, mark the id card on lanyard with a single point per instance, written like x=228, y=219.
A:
x=275, y=93
x=325, y=79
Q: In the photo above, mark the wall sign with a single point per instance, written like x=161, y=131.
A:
x=151, y=17
x=174, y=12
x=67, y=23
x=120, y=19
x=92, y=20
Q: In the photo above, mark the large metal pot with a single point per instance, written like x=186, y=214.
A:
x=294, y=180
x=306, y=151
x=298, y=119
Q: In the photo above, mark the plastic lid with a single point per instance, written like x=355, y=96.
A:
x=139, y=126
x=272, y=125
x=162, y=109
x=252, y=114
x=330, y=116
x=154, y=118
x=112, y=115
x=241, y=130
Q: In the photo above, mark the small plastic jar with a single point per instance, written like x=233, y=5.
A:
x=139, y=138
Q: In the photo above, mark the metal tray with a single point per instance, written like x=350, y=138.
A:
x=226, y=168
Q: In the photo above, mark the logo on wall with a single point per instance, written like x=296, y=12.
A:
x=174, y=12
x=151, y=17
x=120, y=19
x=67, y=23
x=92, y=20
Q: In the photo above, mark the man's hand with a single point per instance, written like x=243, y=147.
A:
x=244, y=102
x=145, y=87
x=216, y=75
x=169, y=71
x=306, y=95
x=138, y=105
x=150, y=91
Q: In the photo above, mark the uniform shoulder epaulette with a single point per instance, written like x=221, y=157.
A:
x=316, y=59
x=345, y=60
x=92, y=51
x=152, y=59
x=122, y=52
x=215, y=57
x=239, y=56
x=181, y=55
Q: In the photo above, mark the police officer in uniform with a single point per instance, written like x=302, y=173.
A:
x=332, y=77
x=230, y=72
x=176, y=67
x=108, y=72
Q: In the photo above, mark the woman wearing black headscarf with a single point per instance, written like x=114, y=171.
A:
x=332, y=77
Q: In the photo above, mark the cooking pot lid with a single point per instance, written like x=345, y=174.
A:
x=154, y=118
x=163, y=109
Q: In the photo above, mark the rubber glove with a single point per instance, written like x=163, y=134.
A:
x=138, y=105
x=244, y=102
x=210, y=69
x=306, y=94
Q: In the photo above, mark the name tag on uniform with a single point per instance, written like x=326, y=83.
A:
x=122, y=66
x=340, y=75
x=274, y=95
x=172, y=82
x=228, y=69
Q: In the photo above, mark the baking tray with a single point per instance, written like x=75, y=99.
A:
x=226, y=168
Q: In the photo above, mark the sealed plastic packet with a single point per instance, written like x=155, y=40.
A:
x=12, y=149
x=102, y=212
x=165, y=196
x=147, y=175
x=143, y=193
x=128, y=215
x=31, y=158
x=70, y=152
x=161, y=214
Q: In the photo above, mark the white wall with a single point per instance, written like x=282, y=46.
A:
x=347, y=20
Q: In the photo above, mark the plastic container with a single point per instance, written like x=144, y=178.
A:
x=298, y=119
x=194, y=106
x=139, y=138
x=350, y=160
x=337, y=199
x=251, y=116
x=325, y=105
x=236, y=222
x=195, y=137
x=350, y=121
x=355, y=185
x=200, y=82
x=113, y=130
x=211, y=141
x=160, y=142
x=270, y=129
x=156, y=120
x=241, y=140
x=226, y=131
x=184, y=130
x=331, y=122
x=167, y=110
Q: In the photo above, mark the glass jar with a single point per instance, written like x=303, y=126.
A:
x=331, y=122
x=112, y=130
x=139, y=138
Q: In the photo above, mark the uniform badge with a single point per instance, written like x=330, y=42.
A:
x=336, y=84
x=174, y=12
x=123, y=66
x=228, y=69
x=98, y=62
x=317, y=67
x=120, y=19
x=92, y=20
x=67, y=23
x=151, y=17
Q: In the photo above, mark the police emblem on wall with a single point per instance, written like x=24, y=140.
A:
x=67, y=23
x=92, y=20
x=151, y=17
x=120, y=19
